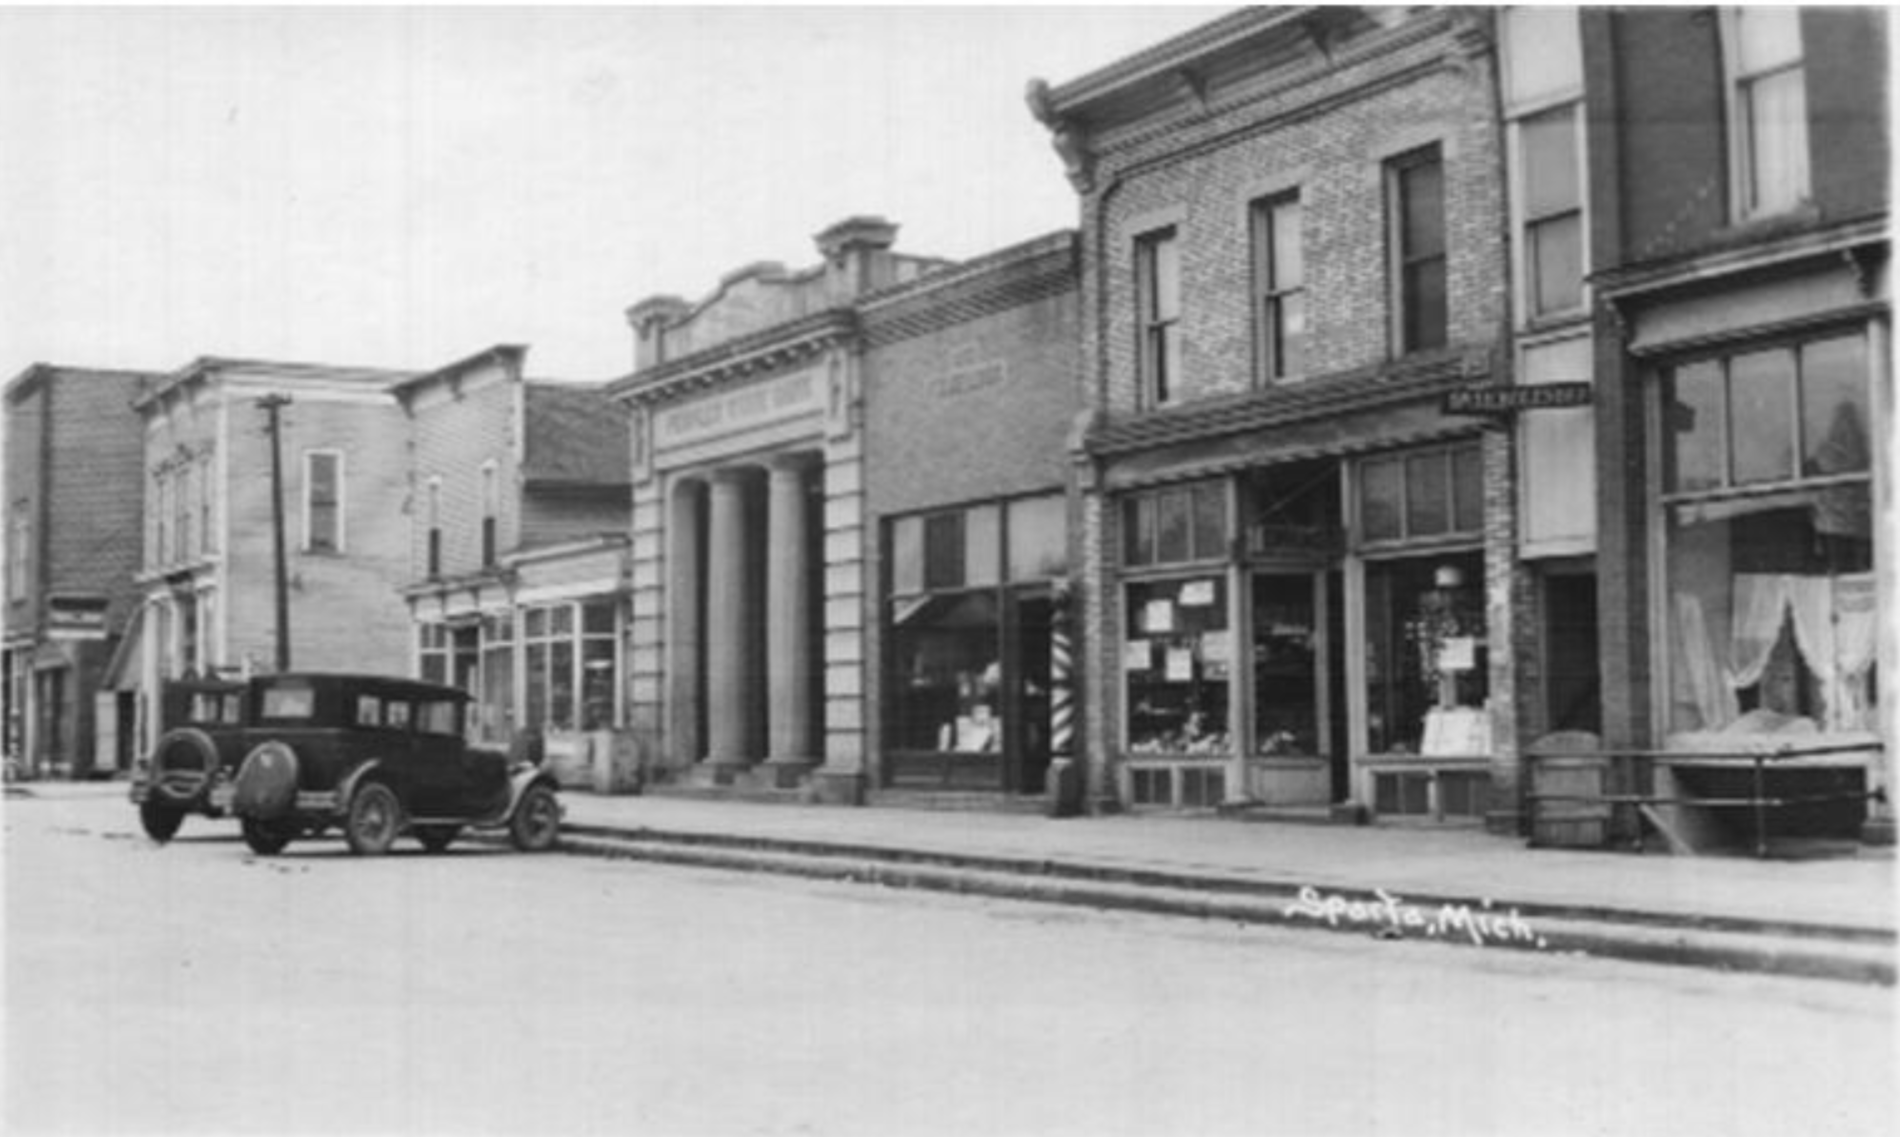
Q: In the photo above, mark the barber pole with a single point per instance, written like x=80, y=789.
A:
x=1061, y=687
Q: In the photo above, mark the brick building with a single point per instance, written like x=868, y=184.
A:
x=747, y=645
x=1738, y=180
x=208, y=577
x=73, y=465
x=970, y=394
x=1300, y=580
x=517, y=552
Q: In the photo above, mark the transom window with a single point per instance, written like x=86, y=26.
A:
x=1422, y=494
x=1176, y=524
x=1779, y=414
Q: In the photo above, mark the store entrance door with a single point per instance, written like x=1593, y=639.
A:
x=1299, y=670
x=1026, y=694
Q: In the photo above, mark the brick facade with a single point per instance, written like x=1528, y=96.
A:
x=1687, y=276
x=73, y=468
x=1185, y=138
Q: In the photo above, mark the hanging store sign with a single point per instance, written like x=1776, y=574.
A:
x=1488, y=400
x=747, y=408
x=76, y=617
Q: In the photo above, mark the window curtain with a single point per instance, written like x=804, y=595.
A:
x=1701, y=681
x=1835, y=622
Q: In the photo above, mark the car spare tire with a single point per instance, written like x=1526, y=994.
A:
x=182, y=765
x=266, y=785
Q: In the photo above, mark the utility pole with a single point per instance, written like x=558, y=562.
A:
x=271, y=404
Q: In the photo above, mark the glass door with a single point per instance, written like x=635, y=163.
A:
x=1288, y=716
x=1026, y=699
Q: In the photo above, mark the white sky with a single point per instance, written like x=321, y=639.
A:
x=401, y=187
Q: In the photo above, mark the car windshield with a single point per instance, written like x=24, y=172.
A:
x=289, y=702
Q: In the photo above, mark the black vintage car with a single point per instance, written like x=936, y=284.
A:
x=292, y=755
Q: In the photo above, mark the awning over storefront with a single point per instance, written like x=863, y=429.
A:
x=122, y=670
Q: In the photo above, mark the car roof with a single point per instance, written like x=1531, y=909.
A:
x=387, y=685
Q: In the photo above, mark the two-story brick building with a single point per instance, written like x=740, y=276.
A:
x=74, y=458
x=1300, y=582
x=209, y=572
x=1738, y=182
x=517, y=567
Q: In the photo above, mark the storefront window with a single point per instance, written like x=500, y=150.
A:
x=1769, y=545
x=1425, y=653
x=498, y=676
x=1177, y=658
x=432, y=655
x=599, y=677
x=946, y=653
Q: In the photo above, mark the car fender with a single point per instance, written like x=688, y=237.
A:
x=525, y=778
x=346, y=786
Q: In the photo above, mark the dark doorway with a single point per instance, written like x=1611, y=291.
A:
x=1026, y=703
x=1572, y=688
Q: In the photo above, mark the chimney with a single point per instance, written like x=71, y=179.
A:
x=857, y=254
x=650, y=318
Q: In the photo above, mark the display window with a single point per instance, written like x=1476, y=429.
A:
x=1768, y=546
x=1426, y=658
x=967, y=642
x=1177, y=659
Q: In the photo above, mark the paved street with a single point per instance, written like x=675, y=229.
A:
x=197, y=989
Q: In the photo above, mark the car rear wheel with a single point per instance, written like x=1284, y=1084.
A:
x=537, y=821
x=375, y=816
x=265, y=838
x=436, y=838
x=160, y=821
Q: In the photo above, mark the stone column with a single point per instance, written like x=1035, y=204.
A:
x=731, y=671
x=788, y=594
x=685, y=577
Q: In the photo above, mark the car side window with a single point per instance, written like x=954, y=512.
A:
x=368, y=711
x=437, y=716
x=396, y=714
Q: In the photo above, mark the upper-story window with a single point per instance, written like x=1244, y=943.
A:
x=1415, y=196
x=435, y=527
x=1543, y=99
x=323, y=501
x=207, y=532
x=1767, y=110
x=491, y=511
x=161, y=518
x=1158, y=296
x=183, y=511
x=19, y=536
x=1279, y=282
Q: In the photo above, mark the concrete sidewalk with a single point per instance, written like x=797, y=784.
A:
x=1832, y=917
x=1828, y=917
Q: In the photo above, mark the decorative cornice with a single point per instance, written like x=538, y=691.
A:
x=1862, y=238
x=1404, y=381
x=770, y=349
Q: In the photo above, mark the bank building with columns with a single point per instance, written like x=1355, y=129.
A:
x=770, y=490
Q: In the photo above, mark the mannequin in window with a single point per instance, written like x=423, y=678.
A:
x=979, y=731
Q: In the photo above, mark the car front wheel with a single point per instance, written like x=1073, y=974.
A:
x=265, y=838
x=537, y=821
x=160, y=821
x=375, y=816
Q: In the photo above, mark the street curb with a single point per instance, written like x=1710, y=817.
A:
x=1847, y=954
